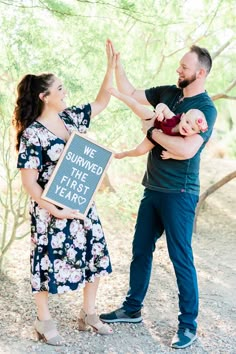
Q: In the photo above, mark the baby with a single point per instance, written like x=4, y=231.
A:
x=185, y=124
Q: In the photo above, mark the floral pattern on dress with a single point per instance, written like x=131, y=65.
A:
x=65, y=254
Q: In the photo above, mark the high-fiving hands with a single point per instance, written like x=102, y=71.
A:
x=113, y=54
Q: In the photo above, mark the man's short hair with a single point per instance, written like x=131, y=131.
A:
x=204, y=57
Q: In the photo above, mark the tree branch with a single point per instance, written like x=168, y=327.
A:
x=221, y=49
x=211, y=190
x=224, y=94
x=130, y=13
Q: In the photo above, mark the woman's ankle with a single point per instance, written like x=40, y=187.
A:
x=89, y=310
x=44, y=316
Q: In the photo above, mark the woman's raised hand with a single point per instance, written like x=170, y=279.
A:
x=112, y=56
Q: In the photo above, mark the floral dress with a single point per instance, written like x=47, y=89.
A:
x=65, y=253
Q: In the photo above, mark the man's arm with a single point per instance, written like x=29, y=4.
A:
x=125, y=86
x=186, y=147
x=165, y=155
x=123, y=83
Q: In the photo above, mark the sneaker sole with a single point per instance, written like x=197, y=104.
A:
x=123, y=320
x=185, y=345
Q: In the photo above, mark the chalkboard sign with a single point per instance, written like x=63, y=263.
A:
x=78, y=174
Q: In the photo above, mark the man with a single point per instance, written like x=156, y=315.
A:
x=170, y=195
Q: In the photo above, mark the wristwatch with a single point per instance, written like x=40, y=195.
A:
x=149, y=135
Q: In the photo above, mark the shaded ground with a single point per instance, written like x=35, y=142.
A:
x=215, y=258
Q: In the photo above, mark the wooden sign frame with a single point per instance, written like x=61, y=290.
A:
x=68, y=192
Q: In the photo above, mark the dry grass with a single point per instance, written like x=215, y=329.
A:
x=215, y=257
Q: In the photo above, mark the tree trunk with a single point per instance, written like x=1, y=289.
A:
x=211, y=190
x=106, y=184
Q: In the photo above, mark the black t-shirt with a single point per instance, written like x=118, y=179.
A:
x=177, y=175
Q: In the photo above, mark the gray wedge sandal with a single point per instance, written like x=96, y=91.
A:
x=94, y=322
x=46, y=330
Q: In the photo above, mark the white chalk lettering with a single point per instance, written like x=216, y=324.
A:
x=79, y=174
x=62, y=191
x=89, y=151
x=79, y=160
x=99, y=170
x=72, y=184
x=74, y=197
x=68, y=195
x=68, y=155
x=57, y=188
x=64, y=178
x=85, y=189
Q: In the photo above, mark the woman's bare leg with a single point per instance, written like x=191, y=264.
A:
x=90, y=292
x=41, y=300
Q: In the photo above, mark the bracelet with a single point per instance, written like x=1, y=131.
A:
x=149, y=136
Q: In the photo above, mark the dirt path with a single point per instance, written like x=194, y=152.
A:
x=215, y=258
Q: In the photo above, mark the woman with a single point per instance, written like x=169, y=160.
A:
x=66, y=253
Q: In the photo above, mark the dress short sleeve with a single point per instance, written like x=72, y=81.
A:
x=78, y=116
x=30, y=151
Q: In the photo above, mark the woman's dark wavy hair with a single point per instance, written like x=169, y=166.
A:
x=28, y=104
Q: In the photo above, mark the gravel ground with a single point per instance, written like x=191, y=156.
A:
x=215, y=258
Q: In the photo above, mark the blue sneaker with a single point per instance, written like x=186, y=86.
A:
x=121, y=315
x=183, y=338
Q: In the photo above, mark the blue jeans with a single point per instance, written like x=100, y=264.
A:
x=174, y=213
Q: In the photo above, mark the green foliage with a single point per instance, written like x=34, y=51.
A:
x=59, y=8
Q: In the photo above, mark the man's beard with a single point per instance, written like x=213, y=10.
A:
x=186, y=82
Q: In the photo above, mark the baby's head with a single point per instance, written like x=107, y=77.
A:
x=192, y=122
